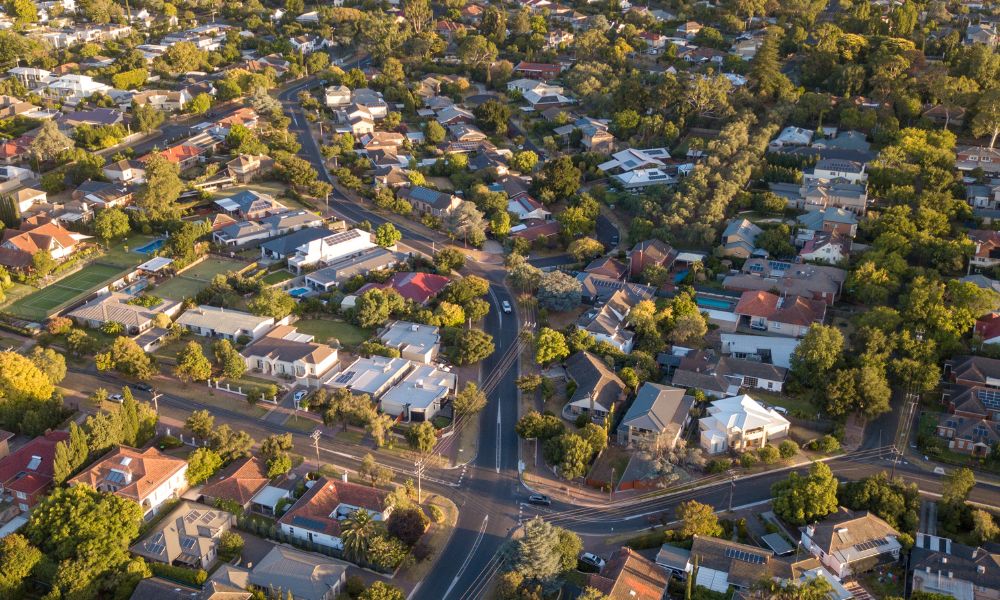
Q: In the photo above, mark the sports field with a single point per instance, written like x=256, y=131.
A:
x=44, y=302
x=190, y=282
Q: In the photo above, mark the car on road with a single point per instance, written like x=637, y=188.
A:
x=592, y=559
x=116, y=398
x=301, y=394
x=506, y=306
x=614, y=240
x=144, y=387
x=539, y=499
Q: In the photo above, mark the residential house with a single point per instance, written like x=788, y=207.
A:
x=391, y=177
x=723, y=563
x=26, y=197
x=472, y=12
x=630, y=576
x=466, y=132
x=332, y=248
x=286, y=245
x=241, y=233
x=780, y=315
x=830, y=169
x=973, y=370
x=225, y=324
x=942, y=566
x=702, y=55
x=828, y=246
x=304, y=575
x=420, y=395
x=317, y=516
x=283, y=350
x=987, y=248
x=967, y=435
x=527, y=207
x=599, y=391
x=97, y=117
x=740, y=238
x=608, y=268
x=119, y=308
x=308, y=43
x=968, y=158
x=147, y=477
x=309, y=17
x=724, y=376
x=845, y=140
x=656, y=43
x=638, y=180
x=418, y=287
x=631, y=159
x=448, y=29
x=154, y=588
x=338, y=95
x=740, y=423
x=805, y=280
x=555, y=37
x=245, y=168
x=768, y=350
x=241, y=481
x=30, y=77
x=382, y=140
x=842, y=221
x=126, y=171
x=596, y=287
x=112, y=196
x=534, y=229
x=658, y=410
x=851, y=542
x=11, y=106
x=373, y=376
x=187, y=537
x=987, y=328
x=545, y=72
x=607, y=321
x=250, y=205
x=19, y=245
x=371, y=100
x=416, y=342
x=163, y=99
x=72, y=89
x=981, y=34
x=533, y=85
x=26, y=474
x=941, y=115
x=650, y=252
x=340, y=272
x=489, y=160
x=429, y=201
x=453, y=115
x=183, y=155
x=820, y=194
x=689, y=29
x=791, y=137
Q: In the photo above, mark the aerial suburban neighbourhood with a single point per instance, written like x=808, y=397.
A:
x=485, y=300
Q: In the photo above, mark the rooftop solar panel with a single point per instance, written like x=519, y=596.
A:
x=424, y=194
x=157, y=538
x=308, y=523
x=115, y=477
x=187, y=543
x=155, y=548
x=344, y=377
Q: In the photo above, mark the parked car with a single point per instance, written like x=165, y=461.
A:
x=758, y=326
x=540, y=499
x=144, y=387
x=614, y=240
x=301, y=394
x=506, y=306
x=116, y=398
x=781, y=409
x=592, y=559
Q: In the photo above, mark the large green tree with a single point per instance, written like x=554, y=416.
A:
x=126, y=357
x=158, y=194
x=817, y=354
x=192, y=364
x=806, y=499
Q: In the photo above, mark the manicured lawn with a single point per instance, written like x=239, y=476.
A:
x=44, y=302
x=792, y=404
x=212, y=266
x=6, y=342
x=118, y=255
x=278, y=277
x=345, y=333
x=442, y=422
x=272, y=188
x=180, y=289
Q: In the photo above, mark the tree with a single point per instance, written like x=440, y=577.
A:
x=957, y=485
x=803, y=500
x=192, y=364
x=476, y=51
x=184, y=56
x=272, y=302
x=42, y=262
x=381, y=590
x=49, y=142
x=434, y=133
x=524, y=161
x=374, y=472
x=473, y=346
x=158, y=193
x=202, y=464
x=586, y=248
x=493, y=24
x=533, y=426
x=146, y=118
x=110, y=224
x=357, y=532
x=230, y=445
x=374, y=307
x=278, y=465
x=422, y=437
x=535, y=555
x=987, y=119
x=407, y=524
x=200, y=423
x=697, y=519
x=49, y=362
x=230, y=544
x=559, y=179
x=559, y=291
x=449, y=259
x=470, y=400
x=550, y=346
x=199, y=104
x=379, y=427
x=465, y=222
x=788, y=449
x=126, y=357
x=570, y=453
x=79, y=343
x=232, y=363
x=817, y=354
x=387, y=235
x=21, y=381
x=61, y=466
x=228, y=90
x=984, y=526
x=765, y=78
x=22, y=10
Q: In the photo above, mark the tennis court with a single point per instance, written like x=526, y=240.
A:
x=44, y=302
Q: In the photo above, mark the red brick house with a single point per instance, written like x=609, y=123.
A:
x=27, y=473
x=541, y=71
x=650, y=252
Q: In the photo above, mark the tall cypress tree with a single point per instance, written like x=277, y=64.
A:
x=62, y=466
x=78, y=449
x=129, y=418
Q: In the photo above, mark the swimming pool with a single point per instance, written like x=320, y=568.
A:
x=680, y=276
x=151, y=247
x=298, y=292
x=712, y=303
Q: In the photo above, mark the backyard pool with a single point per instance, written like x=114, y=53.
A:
x=151, y=247
x=713, y=303
x=298, y=292
x=679, y=277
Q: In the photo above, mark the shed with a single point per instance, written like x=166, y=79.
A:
x=777, y=543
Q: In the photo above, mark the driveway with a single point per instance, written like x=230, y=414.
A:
x=606, y=231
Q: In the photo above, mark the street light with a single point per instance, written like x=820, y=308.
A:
x=732, y=489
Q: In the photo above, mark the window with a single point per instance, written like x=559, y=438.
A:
x=750, y=381
x=21, y=495
x=23, y=507
x=775, y=325
x=770, y=385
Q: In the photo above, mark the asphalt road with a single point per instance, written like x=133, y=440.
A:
x=552, y=261
x=606, y=231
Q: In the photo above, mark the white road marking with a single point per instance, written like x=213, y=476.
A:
x=498, y=437
x=500, y=308
x=475, y=546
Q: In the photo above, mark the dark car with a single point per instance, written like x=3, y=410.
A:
x=144, y=387
x=614, y=240
x=539, y=499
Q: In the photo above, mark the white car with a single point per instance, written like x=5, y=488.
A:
x=300, y=395
x=116, y=398
x=506, y=306
x=592, y=559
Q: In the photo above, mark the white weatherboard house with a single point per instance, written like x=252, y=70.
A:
x=332, y=248
x=210, y=321
x=740, y=423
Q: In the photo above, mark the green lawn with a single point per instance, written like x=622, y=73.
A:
x=180, y=289
x=118, y=255
x=277, y=277
x=212, y=266
x=302, y=423
x=790, y=403
x=345, y=333
x=44, y=302
x=270, y=187
x=350, y=436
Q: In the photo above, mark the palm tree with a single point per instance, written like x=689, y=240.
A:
x=113, y=327
x=358, y=530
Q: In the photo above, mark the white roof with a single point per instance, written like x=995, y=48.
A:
x=780, y=348
x=743, y=413
x=269, y=496
x=156, y=264
x=12, y=526
x=227, y=204
x=720, y=315
x=231, y=322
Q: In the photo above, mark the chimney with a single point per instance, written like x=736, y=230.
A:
x=48, y=432
x=810, y=531
x=344, y=477
x=975, y=552
x=980, y=569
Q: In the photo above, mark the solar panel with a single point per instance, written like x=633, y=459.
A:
x=115, y=476
x=424, y=194
x=745, y=556
x=155, y=548
x=209, y=516
x=757, y=268
x=308, y=523
x=341, y=237
x=344, y=377
x=187, y=543
x=192, y=517
x=990, y=398
x=158, y=538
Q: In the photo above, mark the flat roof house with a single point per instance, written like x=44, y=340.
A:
x=332, y=248
x=318, y=514
x=657, y=409
x=187, y=537
x=941, y=566
x=147, y=477
x=211, y=321
x=740, y=423
x=416, y=342
x=116, y=307
x=27, y=473
x=420, y=395
x=286, y=245
x=373, y=376
x=340, y=272
x=283, y=350
x=850, y=542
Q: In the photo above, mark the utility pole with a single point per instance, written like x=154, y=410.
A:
x=420, y=469
x=732, y=488
x=611, y=492
x=315, y=437
x=156, y=397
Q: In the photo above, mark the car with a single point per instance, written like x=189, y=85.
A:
x=116, y=398
x=614, y=240
x=144, y=387
x=758, y=326
x=539, y=499
x=301, y=394
x=592, y=559
x=520, y=147
x=781, y=409
x=506, y=306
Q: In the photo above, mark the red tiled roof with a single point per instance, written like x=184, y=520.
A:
x=177, y=153
x=757, y=304
x=418, y=286
x=149, y=469
x=43, y=447
x=988, y=327
x=796, y=310
x=35, y=238
x=629, y=576
x=30, y=483
x=240, y=481
x=315, y=508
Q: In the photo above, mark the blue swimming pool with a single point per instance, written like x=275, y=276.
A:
x=712, y=303
x=151, y=247
x=679, y=277
x=298, y=292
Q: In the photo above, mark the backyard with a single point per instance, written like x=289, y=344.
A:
x=180, y=288
x=324, y=331
x=277, y=277
x=46, y=301
x=123, y=254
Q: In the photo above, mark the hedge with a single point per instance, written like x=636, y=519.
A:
x=189, y=576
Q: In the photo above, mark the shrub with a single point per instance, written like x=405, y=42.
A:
x=741, y=529
x=422, y=552
x=768, y=454
x=354, y=585
x=230, y=544
x=169, y=442
x=788, y=449
x=727, y=526
x=437, y=514
x=748, y=460
x=570, y=389
x=827, y=443
x=645, y=542
x=719, y=466
x=189, y=576
x=770, y=528
x=582, y=419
